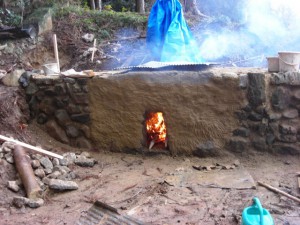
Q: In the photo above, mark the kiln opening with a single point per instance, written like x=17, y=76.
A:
x=156, y=130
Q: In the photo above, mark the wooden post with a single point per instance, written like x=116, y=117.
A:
x=94, y=48
x=26, y=173
x=56, y=52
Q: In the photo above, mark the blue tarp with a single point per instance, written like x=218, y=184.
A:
x=168, y=36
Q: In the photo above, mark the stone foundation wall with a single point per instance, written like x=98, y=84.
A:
x=270, y=120
x=60, y=106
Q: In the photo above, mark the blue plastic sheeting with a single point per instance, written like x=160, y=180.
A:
x=168, y=36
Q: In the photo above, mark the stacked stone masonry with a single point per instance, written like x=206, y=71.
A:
x=60, y=105
x=270, y=120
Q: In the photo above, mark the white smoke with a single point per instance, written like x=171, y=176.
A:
x=266, y=27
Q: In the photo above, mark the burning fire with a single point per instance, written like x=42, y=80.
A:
x=156, y=129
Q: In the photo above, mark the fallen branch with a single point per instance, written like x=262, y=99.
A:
x=26, y=173
x=39, y=150
x=279, y=191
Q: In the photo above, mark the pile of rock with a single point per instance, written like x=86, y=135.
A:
x=54, y=174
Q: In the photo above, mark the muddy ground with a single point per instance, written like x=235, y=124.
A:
x=156, y=189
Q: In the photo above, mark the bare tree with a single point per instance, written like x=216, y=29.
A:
x=92, y=4
x=190, y=6
x=140, y=6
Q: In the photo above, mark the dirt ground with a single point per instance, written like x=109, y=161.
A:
x=156, y=189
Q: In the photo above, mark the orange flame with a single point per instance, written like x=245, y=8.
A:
x=156, y=128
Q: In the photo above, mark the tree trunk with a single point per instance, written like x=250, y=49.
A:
x=3, y=4
x=140, y=6
x=92, y=4
x=98, y=5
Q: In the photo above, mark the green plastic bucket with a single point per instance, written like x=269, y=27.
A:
x=256, y=215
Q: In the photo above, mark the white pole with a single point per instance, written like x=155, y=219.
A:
x=56, y=52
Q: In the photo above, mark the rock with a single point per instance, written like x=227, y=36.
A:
x=62, y=117
x=19, y=201
x=68, y=159
x=31, y=89
x=283, y=148
x=40, y=173
x=238, y=144
x=280, y=98
x=35, y=203
x=61, y=185
x=290, y=113
x=45, y=22
x=7, y=147
x=205, y=149
x=82, y=142
x=236, y=163
x=274, y=116
x=42, y=118
x=85, y=162
x=48, y=171
x=46, y=106
x=13, y=185
x=287, y=129
x=287, y=138
x=46, y=163
x=56, y=132
x=9, y=158
x=35, y=164
x=242, y=132
x=88, y=37
x=62, y=169
x=55, y=162
x=260, y=144
x=297, y=94
x=255, y=116
x=256, y=89
x=85, y=154
x=72, y=131
x=54, y=175
x=291, y=78
x=243, y=81
x=12, y=79
x=81, y=118
x=270, y=138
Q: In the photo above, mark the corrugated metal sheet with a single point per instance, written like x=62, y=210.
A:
x=154, y=65
x=100, y=213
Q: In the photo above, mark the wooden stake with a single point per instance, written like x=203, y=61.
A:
x=151, y=144
x=279, y=191
x=94, y=48
x=39, y=150
x=56, y=52
x=26, y=173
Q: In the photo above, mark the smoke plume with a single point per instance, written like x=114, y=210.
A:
x=244, y=32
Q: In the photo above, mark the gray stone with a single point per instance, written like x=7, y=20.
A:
x=85, y=130
x=255, y=116
x=287, y=138
x=12, y=79
x=35, y=164
x=81, y=118
x=290, y=113
x=60, y=89
x=1, y=155
x=260, y=144
x=13, y=185
x=68, y=159
x=34, y=203
x=297, y=94
x=238, y=144
x=280, y=98
x=256, y=89
x=7, y=147
x=54, y=175
x=46, y=106
x=242, y=131
x=243, y=81
x=74, y=109
x=46, y=180
x=31, y=89
x=286, y=149
x=88, y=37
x=85, y=162
x=46, y=163
x=62, y=117
x=42, y=118
x=291, y=78
x=62, y=185
x=19, y=201
x=55, y=162
x=48, y=171
x=82, y=142
x=287, y=129
x=270, y=138
x=55, y=131
x=9, y=158
x=39, y=173
x=62, y=169
x=206, y=149
x=274, y=116
x=85, y=154
x=72, y=131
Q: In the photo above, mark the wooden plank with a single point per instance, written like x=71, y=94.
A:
x=36, y=149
